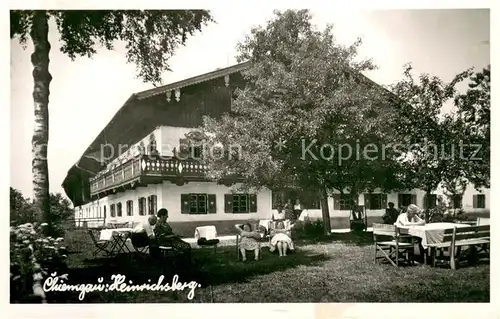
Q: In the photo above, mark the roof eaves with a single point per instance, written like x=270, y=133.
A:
x=194, y=80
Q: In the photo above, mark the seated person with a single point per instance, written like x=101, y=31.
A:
x=279, y=214
x=410, y=218
x=249, y=240
x=280, y=237
x=165, y=237
x=143, y=232
x=297, y=210
x=391, y=214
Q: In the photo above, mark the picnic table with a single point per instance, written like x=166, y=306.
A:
x=432, y=233
x=119, y=237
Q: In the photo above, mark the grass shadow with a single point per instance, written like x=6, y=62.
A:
x=350, y=238
x=209, y=270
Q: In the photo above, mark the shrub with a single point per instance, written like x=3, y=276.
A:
x=32, y=258
x=22, y=211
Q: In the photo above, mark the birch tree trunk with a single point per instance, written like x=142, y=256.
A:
x=41, y=77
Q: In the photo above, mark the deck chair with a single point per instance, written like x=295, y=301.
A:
x=100, y=245
x=272, y=225
x=206, y=236
x=238, y=239
x=392, y=242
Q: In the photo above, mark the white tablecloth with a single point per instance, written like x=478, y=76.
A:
x=107, y=233
x=432, y=233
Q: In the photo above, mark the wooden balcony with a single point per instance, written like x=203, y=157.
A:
x=143, y=170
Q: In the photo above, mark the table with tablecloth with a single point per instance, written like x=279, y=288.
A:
x=432, y=233
x=121, y=240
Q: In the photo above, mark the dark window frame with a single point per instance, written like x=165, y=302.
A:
x=142, y=206
x=200, y=201
x=130, y=208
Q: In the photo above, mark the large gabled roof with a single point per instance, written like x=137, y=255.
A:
x=87, y=166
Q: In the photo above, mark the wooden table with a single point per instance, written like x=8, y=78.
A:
x=431, y=233
x=119, y=237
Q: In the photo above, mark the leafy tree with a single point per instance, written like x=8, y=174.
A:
x=442, y=151
x=23, y=210
x=474, y=121
x=151, y=38
x=303, y=93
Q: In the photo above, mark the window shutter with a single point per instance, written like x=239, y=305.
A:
x=183, y=146
x=414, y=199
x=474, y=201
x=367, y=201
x=228, y=203
x=400, y=200
x=336, y=201
x=212, y=209
x=253, y=203
x=426, y=201
x=384, y=201
x=185, y=205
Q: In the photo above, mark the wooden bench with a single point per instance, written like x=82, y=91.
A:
x=453, y=239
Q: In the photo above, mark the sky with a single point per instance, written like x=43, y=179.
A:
x=87, y=92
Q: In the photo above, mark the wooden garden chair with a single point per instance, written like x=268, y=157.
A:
x=395, y=241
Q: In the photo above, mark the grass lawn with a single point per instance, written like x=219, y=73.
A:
x=338, y=269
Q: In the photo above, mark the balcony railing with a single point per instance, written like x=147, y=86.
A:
x=142, y=166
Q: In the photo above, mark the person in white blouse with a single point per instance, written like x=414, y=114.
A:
x=143, y=233
x=279, y=214
x=410, y=218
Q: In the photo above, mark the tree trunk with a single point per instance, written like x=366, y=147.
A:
x=41, y=77
x=325, y=213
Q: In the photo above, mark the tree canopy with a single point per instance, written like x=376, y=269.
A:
x=151, y=36
x=306, y=114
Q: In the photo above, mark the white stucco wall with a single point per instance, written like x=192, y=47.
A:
x=169, y=196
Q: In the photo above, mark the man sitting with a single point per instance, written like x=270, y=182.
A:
x=391, y=214
x=410, y=218
x=143, y=233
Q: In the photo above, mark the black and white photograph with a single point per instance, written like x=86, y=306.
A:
x=252, y=155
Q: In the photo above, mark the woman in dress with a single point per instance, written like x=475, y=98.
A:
x=249, y=241
x=281, y=239
x=164, y=236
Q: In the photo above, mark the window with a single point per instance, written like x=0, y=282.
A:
x=119, y=209
x=375, y=201
x=479, y=201
x=345, y=202
x=152, y=205
x=240, y=203
x=130, y=208
x=142, y=206
x=457, y=201
x=430, y=201
x=308, y=201
x=112, y=209
x=196, y=151
x=198, y=204
x=406, y=199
